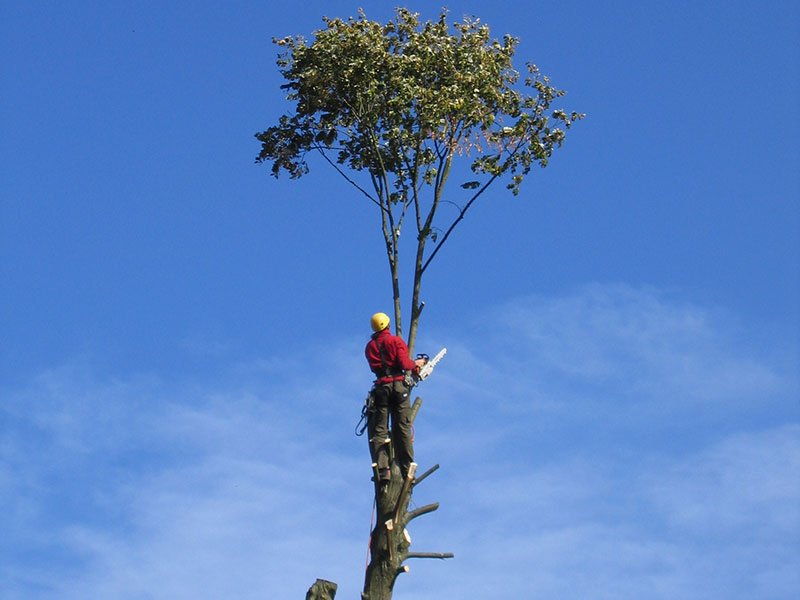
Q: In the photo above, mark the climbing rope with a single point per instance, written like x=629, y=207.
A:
x=369, y=538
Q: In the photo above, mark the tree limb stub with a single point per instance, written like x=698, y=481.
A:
x=422, y=477
x=412, y=469
x=322, y=590
x=440, y=555
x=422, y=510
x=389, y=528
x=415, y=409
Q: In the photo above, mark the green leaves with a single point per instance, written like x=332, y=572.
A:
x=395, y=98
x=392, y=106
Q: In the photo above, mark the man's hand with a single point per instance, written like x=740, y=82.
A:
x=419, y=363
x=428, y=364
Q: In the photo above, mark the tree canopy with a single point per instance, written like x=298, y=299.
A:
x=392, y=106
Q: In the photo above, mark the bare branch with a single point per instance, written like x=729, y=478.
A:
x=457, y=220
x=422, y=477
x=347, y=178
x=423, y=510
x=464, y=210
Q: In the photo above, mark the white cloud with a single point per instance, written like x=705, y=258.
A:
x=721, y=521
x=607, y=350
x=551, y=486
x=602, y=440
x=747, y=484
x=139, y=490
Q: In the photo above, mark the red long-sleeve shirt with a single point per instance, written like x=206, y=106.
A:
x=396, y=359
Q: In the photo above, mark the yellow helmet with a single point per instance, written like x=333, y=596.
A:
x=379, y=321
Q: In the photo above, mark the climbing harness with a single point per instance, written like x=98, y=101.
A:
x=361, y=426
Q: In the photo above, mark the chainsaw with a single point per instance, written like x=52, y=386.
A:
x=426, y=369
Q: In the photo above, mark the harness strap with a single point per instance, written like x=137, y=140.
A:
x=384, y=366
x=387, y=371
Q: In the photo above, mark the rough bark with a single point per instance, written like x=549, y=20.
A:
x=390, y=540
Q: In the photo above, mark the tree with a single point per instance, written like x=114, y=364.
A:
x=397, y=109
x=393, y=107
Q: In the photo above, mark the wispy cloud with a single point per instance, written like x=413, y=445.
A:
x=587, y=444
x=748, y=483
x=147, y=490
x=614, y=351
x=719, y=522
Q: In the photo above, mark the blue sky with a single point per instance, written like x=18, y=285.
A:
x=181, y=334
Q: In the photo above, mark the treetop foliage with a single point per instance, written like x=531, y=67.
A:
x=394, y=98
x=391, y=106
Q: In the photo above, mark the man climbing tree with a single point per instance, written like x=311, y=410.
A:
x=398, y=110
x=388, y=359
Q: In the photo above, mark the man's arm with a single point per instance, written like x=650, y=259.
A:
x=402, y=356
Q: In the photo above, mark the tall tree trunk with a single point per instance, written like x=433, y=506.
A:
x=390, y=540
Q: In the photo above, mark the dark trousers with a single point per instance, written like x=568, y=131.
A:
x=391, y=399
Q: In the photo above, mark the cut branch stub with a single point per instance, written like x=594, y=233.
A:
x=390, y=541
x=322, y=590
x=422, y=510
x=441, y=555
x=401, y=500
x=415, y=409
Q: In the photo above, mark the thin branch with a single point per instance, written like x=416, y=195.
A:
x=442, y=173
x=415, y=185
x=458, y=206
x=376, y=147
x=422, y=510
x=440, y=555
x=422, y=477
x=454, y=223
x=391, y=238
x=411, y=182
x=468, y=204
x=385, y=214
x=347, y=178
